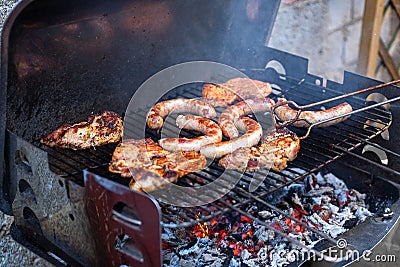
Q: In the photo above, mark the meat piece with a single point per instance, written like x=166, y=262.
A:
x=133, y=153
x=150, y=166
x=167, y=170
x=212, y=131
x=250, y=138
x=233, y=113
x=98, y=130
x=220, y=95
x=286, y=113
x=155, y=118
x=274, y=152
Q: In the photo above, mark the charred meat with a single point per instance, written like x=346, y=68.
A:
x=150, y=166
x=98, y=130
x=274, y=152
x=220, y=95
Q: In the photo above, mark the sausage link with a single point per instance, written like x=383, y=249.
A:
x=233, y=113
x=286, y=113
x=212, y=131
x=250, y=138
x=155, y=117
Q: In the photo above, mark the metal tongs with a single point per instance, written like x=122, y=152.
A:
x=300, y=109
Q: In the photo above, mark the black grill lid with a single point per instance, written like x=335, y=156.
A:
x=63, y=52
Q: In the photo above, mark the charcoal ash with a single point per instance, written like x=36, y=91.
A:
x=322, y=201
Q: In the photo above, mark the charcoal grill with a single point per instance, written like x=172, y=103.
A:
x=62, y=61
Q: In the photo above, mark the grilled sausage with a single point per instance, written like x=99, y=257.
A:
x=285, y=113
x=250, y=138
x=233, y=113
x=220, y=95
x=155, y=118
x=212, y=131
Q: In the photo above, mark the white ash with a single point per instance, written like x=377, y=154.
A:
x=336, y=183
x=336, y=204
x=362, y=213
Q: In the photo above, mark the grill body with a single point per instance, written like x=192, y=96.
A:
x=62, y=61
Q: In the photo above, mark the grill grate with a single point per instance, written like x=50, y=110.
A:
x=322, y=147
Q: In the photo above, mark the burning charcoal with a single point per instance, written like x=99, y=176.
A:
x=263, y=234
x=283, y=205
x=319, y=179
x=245, y=254
x=310, y=241
x=248, y=243
x=333, y=208
x=174, y=260
x=319, y=192
x=342, y=197
x=344, y=215
x=296, y=189
x=217, y=263
x=252, y=263
x=299, y=204
x=184, y=262
x=362, y=213
x=204, y=242
x=316, y=201
x=325, y=214
x=278, y=256
x=326, y=199
x=309, y=183
x=331, y=229
x=263, y=254
x=265, y=214
x=359, y=197
x=234, y=262
x=191, y=247
x=252, y=209
x=335, y=182
x=322, y=202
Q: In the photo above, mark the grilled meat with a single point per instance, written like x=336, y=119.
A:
x=98, y=130
x=230, y=115
x=155, y=117
x=285, y=113
x=212, y=134
x=220, y=95
x=150, y=166
x=274, y=152
x=250, y=138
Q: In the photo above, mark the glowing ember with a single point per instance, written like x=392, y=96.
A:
x=234, y=239
x=201, y=229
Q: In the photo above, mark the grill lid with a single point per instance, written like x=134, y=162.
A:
x=74, y=50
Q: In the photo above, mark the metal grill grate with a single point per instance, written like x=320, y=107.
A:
x=322, y=147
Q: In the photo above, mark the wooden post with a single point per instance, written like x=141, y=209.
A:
x=388, y=61
x=370, y=36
